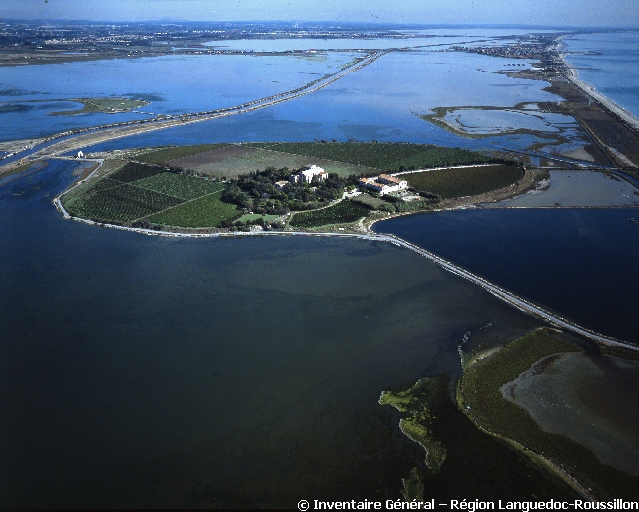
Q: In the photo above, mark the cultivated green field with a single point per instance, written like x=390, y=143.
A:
x=250, y=217
x=138, y=191
x=479, y=393
x=389, y=156
x=180, y=185
x=342, y=213
x=207, y=211
x=122, y=203
x=133, y=171
x=470, y=181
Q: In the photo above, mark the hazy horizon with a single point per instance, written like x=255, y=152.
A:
x=397, y=24
x=546, y=13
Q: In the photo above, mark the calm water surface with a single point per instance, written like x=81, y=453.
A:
x=380, y=102
x=151, y=371
x=580, y=263
x=174, y=85
x=613, y=68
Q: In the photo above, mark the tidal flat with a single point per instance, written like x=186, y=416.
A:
x=585, y=449
x=578, y=188
x=574, y=395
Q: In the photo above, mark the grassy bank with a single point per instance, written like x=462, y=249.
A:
x=479, y=394
x=417, y=422
x=468, y=462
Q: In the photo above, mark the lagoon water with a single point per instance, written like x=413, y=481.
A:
x=153, y=371
x=174, y=85
x=149, y=371
x=380, y=102
x=581, y=188
x=613, y=67
x=579, y=263
x=430, y=38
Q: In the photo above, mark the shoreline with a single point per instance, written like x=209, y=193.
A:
x=573, y=76
x=522, y=304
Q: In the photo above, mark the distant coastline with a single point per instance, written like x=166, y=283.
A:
x=590, y=90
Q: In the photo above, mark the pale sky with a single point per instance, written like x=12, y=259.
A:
x=621, y=13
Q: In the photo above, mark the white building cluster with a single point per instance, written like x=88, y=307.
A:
x=383, y=184
x=307, y=175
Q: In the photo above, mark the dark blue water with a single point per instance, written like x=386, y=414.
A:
x=152, y=371
x=580, y=263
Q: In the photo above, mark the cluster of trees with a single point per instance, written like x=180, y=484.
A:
x=256, y=191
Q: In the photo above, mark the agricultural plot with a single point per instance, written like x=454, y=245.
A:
x=121, y=204
x=232, y=161
x=103, y=184
x=469, y=181
x=134, y=171
x=176, y=152
x=200, y=159
x=179, y=185
x=387, y=156
x=369, y=201
x=250, y=217
x=205, y=212
x=343, y=212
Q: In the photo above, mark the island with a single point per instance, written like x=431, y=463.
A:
x=297, y=186
x=110, y=105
